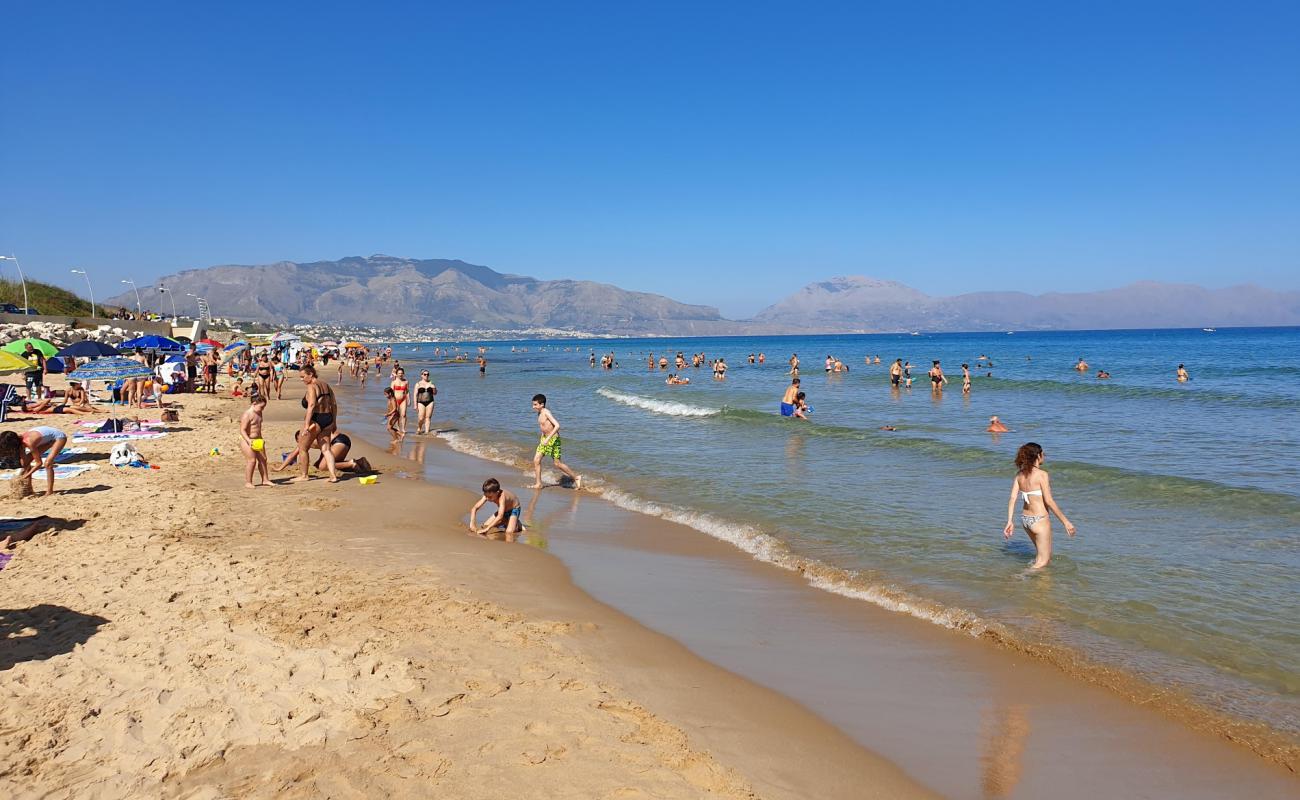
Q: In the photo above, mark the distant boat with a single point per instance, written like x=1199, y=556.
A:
x=1209, y=330
x=916, y=333
x=1010, y=333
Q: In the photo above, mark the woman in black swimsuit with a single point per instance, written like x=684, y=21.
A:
x=318, y=425
x=262, y=379
x=424, y=394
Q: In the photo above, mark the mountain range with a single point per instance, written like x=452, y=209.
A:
x=388, y=291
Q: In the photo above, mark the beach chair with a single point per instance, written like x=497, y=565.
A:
x=7, y=395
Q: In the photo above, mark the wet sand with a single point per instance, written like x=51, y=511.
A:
x=962, y=717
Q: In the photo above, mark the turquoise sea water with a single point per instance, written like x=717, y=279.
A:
x=1186, y=497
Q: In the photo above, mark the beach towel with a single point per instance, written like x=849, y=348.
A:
x=144, y=423
x=117, y=437
x=68, y=452
x=5, y=558
x=9, y=524
x=61, y=471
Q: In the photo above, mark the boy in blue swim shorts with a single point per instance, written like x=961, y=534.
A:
x=788, y=406
x=507, y=518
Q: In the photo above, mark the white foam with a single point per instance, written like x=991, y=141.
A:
x=670, y=408
x=761, y=546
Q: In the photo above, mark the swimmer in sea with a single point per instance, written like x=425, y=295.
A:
x=996, y=426
x=1182, y=375
x=1034, y=489
x=794, y=364
x=762, y=358
x=1082, y=366
x=965, y=378
x=1103, y=375
x=937, y=378
x=801, y=408
x=676, y=380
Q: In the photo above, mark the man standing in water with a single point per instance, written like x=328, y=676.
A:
x=788, y=399
x=794, y=364
x=549, y=444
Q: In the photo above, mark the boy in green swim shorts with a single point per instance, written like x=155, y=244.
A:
x=549, y=444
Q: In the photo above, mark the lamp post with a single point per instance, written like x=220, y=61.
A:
x=139, y=310
x=164, y=290
x=13, y=258
x=83, y=274
x=198, y=302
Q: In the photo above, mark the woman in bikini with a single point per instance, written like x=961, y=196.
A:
x=319, y=423
x=425, y=391
x=1033, y=488
x=37, y=448
x=401, y=396
x=264, y=377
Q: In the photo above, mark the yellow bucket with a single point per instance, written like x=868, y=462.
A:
x=258, y=445
x=366, y=480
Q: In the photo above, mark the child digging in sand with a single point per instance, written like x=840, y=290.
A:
x=250, y=440
x=507, y=517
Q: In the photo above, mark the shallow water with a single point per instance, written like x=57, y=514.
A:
x=1187, y=497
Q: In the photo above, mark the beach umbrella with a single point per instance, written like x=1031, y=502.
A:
x=152, y=342
x=353, y=344
x=110, y=369
x=240, y=345
x=88, y=348
x=10, y=363
x=19, y=346
x=54, y=365
x=179, y=358
x=285, y=336
x=328, y=343
x=202, y=348
x=209, y=342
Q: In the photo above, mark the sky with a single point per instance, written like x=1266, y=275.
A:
x=719, y=153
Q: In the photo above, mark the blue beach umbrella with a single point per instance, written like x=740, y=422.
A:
x=176, y=359
x=87, y=348
x=153, y=342
x=240, y=345
x=110, y=369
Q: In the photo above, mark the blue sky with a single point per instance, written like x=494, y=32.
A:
x=718, y=153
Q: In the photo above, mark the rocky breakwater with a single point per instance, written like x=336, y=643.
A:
x=63, y=335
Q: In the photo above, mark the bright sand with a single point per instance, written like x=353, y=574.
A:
x=184, y=637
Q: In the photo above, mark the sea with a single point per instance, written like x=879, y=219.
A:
x=1185, y=570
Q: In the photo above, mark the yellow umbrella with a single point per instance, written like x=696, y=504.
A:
x=353, y=344
x=10, y=363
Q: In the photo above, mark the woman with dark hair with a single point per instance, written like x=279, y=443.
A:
x=1034, y=490
x=33, y=450
x=319, y=423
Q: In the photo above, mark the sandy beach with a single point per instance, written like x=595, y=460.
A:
x=175, y=635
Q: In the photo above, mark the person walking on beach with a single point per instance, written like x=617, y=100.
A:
x=549, y=444
x=425, y=392
x=319, y=422
x=1034, y=489
x=401, y=398
x=251, y=442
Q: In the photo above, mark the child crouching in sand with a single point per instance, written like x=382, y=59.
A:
x=507, y=517
x=250, y=440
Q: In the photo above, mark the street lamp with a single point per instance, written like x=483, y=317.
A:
x=83, y=274
x=175, y=317
x=13, y=258
x=198, y=301
x=138, y=309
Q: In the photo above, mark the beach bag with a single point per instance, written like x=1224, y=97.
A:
x=123, y=454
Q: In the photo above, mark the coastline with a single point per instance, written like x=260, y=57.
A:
x=182, y=636
x=1198, y=741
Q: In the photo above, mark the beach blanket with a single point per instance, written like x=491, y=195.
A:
x=9, y=524
x=61, y=471
x=90, y=423
x=117, y=437
x=68, y=452
x=5, y=559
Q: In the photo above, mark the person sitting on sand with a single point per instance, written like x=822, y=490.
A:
x=250, y=439
x=1182, y=375
x=996, y=426
x=1033, y=488
x=36, y=449
x=238, y=389
x=508, y=516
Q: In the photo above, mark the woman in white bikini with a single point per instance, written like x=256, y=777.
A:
x=1033, y=488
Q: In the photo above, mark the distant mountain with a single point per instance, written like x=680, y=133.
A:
x=385, y=290
x=860, y=303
